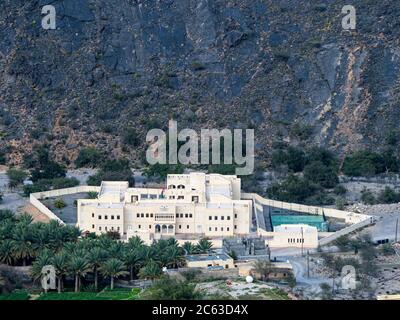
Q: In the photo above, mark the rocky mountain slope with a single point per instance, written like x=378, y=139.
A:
x=116, y=66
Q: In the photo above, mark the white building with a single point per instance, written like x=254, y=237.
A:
x=294, y=235
x=191, y=206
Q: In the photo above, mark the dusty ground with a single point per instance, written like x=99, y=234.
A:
x=239, y=289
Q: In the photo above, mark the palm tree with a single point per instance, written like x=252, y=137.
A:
x=174, y=257
x=151, y=271
x=7, y=251
x=43, y=259
x=60, y=263
x=135, y=242
x=23, y=249
x=95, y=257
x=79, y=267
x=204, y=245
x=113, y=268
x=132, y=260
x=189, y=248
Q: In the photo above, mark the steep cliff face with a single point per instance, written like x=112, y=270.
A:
x=112, y=65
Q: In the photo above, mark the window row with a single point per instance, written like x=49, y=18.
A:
x=221, y=218
x=220, y=228
x=178, y=197
x=106, y=228
x=112, y=217
x=294, y=240
x=142, y=215
x=186, y=215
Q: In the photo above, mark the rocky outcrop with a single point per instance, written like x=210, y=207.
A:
x=114, y=64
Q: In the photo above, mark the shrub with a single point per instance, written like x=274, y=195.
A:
x=388, y=195
x=292, y=189
x=367, y=197
x=59, y=203
x=340, y=190
x=323, y=175
x=130, y=137
x=367, y=163
x=89, y=157
x=16, y=177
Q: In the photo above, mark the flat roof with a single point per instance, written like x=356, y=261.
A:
x=207, y=257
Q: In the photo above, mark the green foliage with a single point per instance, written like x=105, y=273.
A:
x=130, y=137
x=302, y=131
x=92, y=195
x=388, y=195
x=340, y=203
x=293, y=189
x=340, y=190
x=16, y=177
x=168, y=288
x=160, y=171
x=15, y=295
x=89, y=157
x=48, y=170
x=113, y=170
x=320, y=173
x=117, y=294
x=50, y=184
x=204, y=245
x=367, y=163
x=367, y=197
x=59, y=203
x=294, y=158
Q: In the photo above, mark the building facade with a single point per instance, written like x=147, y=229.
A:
x=190, y=206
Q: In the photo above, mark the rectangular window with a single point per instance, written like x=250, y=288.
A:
x=216, y=229
x=187, y=227
x=180, y=227
x=151, y=215
x=92, y=226
x=138, y=215
x=190, y=215
x=177, y=215
x=235, y=227
x=215, y=218
x=112, y=217
x=235, y=215
x=222, y=218
x=106, y=228
x=209, y=218
x=149, y=226
x=99, y=217
x=181, y=215
x=147, y=215
x=228, y=217
x=99, y=228
x=209, y=229
x=92, y=215
x=117, y=228
x=227, y=229
x=186, y=215
x=106, y=217
x=140, y=226
x=222, y=228
x=142, y=215
x=118, y=217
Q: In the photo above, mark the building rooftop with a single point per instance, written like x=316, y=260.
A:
x=207, y=257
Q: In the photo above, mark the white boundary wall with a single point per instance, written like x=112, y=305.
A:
x=357, y=220
x=35, y=198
